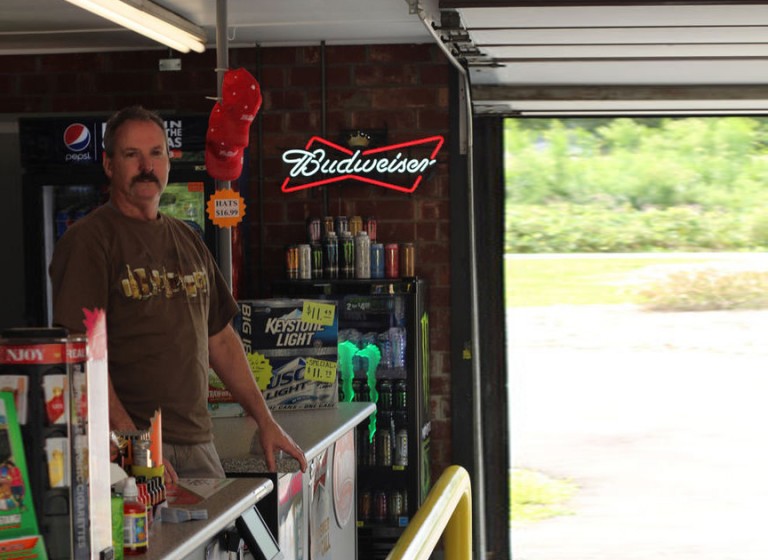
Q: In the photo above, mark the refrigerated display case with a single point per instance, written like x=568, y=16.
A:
x=385, y=327
x=63, y=180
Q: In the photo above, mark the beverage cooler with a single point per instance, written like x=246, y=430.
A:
x=63, y=180
x=393, y=446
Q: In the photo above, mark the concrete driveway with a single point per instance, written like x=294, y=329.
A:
x=660, y=418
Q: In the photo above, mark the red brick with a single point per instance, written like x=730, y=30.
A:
x=336, y=55
x=434, y=74
x=402, y=53
x=386, y=76
x=305, y=77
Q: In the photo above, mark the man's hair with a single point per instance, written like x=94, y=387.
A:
x=134, y=113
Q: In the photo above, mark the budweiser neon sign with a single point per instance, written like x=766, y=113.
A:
x=322, y=162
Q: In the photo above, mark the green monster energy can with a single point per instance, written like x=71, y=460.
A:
x=347, y=255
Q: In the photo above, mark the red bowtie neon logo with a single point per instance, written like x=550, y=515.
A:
x=315, y=164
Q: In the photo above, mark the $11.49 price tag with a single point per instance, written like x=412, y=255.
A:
x=323, y=371
x=318, y=313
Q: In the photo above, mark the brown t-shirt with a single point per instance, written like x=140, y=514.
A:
x=163, y=296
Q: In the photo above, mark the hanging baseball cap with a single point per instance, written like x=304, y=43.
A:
x=224, y=129
x=224, y=163
x=241, y=94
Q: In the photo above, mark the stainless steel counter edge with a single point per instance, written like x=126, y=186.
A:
x=237, y=440
x=171, y=541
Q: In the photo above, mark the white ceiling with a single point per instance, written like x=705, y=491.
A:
x=521, y=56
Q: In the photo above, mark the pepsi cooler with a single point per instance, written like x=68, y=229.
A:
x=63, y=181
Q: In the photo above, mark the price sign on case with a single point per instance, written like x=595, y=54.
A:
x=323, y=371
x=318, y=313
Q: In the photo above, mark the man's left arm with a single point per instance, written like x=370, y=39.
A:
x=228, y=360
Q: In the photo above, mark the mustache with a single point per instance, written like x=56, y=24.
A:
x=145, y=178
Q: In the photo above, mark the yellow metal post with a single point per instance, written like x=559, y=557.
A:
x=448, y=508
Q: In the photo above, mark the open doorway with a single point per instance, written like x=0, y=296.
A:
x=636, y=306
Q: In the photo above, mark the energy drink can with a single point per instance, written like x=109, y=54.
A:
x=366, y=506
x=380, y=507
x=355, y=225
x=292, y=262
x=407, y=260
x=391, y=260
x=362, y=255
x=384, y=446
x=330, y=255
x=305, y=262
x=395, y=506
x=347, y=255
x=328, y=225
x=317, y=260
x=342, y=225
x=377, y=260
x=385, y=395
x=401, y=448
x=314, y=230
x=369, y=226
x=401, y=396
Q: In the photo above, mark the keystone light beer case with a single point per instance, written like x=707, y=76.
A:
x=292, y=350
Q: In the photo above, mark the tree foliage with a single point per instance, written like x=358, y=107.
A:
x=631, y=184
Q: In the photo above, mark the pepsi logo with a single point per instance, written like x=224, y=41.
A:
x=77, y=137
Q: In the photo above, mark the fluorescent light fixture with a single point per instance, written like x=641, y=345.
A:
x=150, y=20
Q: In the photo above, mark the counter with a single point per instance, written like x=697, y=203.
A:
x=313, y=430
x=172, y=541
x=312, y=514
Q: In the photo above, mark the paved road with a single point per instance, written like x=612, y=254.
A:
x=662, y=420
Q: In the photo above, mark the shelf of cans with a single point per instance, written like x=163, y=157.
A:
x=347, y=248
x=385, y=447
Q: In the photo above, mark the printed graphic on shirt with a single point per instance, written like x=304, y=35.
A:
x=142, y=283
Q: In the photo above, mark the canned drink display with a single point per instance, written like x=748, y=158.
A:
x=377, y=260
x=317, y=260
x=385, y=349
x=305, y=261
x=391, y=260
x=355, y=225
x=341, y=225
x=347, y=256
x=369, y=226
x=407, y=260
x=330, y=255
x=292, y=262
x=314, y=230
x=401, y=448
x=362, y=255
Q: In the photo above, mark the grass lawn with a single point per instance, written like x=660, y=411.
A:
x=576, y=280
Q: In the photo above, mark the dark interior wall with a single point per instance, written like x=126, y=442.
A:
x=11, y=228
x=398, y=89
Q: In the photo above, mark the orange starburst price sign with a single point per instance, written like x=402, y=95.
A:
x=226, y=208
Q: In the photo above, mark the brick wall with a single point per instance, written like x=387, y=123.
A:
x=402, y=89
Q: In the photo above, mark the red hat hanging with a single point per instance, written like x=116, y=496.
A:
x=229, y=124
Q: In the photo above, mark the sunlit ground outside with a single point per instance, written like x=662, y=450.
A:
x=637, y=434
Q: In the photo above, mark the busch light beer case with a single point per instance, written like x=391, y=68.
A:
x=292, y=350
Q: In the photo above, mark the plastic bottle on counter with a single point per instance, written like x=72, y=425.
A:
x=135, y=527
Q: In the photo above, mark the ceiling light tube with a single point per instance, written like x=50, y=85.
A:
x=150, y=20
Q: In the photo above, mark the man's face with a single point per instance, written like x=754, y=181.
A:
x=138, y=168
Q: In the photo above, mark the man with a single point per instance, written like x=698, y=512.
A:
x=168, y=307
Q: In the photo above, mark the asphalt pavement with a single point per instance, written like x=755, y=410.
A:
x=660, y=418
